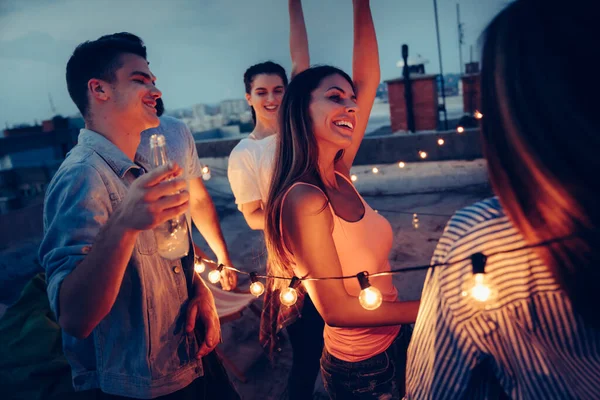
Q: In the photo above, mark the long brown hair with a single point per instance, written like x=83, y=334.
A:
x=541, y=138
x=296, y=158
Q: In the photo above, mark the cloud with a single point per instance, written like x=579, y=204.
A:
x=36, y=46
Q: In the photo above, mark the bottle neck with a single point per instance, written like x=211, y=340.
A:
x=159, y=155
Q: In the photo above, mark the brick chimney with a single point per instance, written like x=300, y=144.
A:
x=471, y=93
x=425, y=100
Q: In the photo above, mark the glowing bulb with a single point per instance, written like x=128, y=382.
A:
x=415, y=221
x=214, y=276
x=478, y=287
x=423, y=154
x=375, y=170
x=288, y=296
x=401, y=164
x=199, y=266
x=480, y=290
x=441, y=142
x=354, y=178
x=477, y=114
x=205, y=170
x=257, y=288
x=460, y=129
x=370, y=298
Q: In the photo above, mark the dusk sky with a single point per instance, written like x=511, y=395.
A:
x=199, y=49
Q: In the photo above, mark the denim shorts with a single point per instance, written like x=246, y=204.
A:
x=380, y=377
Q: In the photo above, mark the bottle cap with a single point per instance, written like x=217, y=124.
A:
x=157, y=140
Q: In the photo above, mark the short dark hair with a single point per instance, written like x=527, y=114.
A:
x=268, y=68
x=98, y=59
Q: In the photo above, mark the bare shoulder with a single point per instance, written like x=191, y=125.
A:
x=304, y=200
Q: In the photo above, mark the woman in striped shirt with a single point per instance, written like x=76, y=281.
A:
x=539, y=338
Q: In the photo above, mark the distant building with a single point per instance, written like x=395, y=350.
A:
x=31, y=146
x=29, y=156
x=233, y=108
x=452, y=85
x=382, y=92
x=199, y=111
x=223, y=132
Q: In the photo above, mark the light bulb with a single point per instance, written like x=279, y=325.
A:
x=441, y=142
x=460, y=129
x=370, y=298
x=205, y=170
x=423, y=154
x=479, y=288
x=354, y=178
x=206, y=176
x=375, y=170
x=415, y=221
x=199, y=266
x=401, y=164
x=214, y=276
x=477, y=114
x=288, y=296
x=257, y=288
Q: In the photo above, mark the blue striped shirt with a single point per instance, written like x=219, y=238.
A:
x=528, y=343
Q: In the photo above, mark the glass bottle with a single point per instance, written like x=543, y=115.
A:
x=171, y=236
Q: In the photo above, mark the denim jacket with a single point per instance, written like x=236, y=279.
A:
x=140, y=349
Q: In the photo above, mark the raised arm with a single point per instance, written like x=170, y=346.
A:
x=307, y=224
x=298, y=38
x=365, y=74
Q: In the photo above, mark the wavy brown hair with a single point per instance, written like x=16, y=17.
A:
x=541, y=138
x=296, y=159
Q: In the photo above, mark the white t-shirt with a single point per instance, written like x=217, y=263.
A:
x=250, y=169
x=181, y=148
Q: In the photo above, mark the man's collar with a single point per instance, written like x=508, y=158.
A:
x=113, y=155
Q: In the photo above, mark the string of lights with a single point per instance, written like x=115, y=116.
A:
x=370, y=297
x=479, y=288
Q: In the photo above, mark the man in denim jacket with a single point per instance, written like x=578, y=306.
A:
x=128, y=315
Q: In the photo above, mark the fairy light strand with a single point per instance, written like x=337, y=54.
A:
x=399, y=270
x=479, y=287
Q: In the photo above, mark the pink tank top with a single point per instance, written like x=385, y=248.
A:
x=363, y=245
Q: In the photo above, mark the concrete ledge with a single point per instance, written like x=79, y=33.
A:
x=420, y=177
x=385, y=149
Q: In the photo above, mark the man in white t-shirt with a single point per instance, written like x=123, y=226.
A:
x=181, y=148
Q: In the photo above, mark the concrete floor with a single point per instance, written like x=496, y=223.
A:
x=268, y=380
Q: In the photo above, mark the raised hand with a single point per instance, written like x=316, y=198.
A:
x=154, y=198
